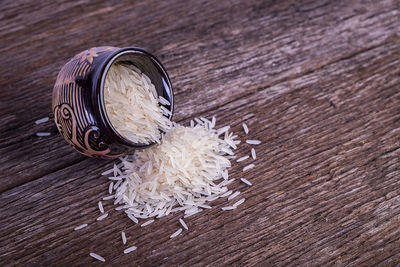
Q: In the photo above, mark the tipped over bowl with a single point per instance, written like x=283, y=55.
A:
x=79, y=104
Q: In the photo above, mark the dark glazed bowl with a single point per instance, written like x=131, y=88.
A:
x=78, y=103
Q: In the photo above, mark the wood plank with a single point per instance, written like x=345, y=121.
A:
x=326, y=187
x=215, y=53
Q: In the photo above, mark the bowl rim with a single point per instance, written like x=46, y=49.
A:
x=99, y=95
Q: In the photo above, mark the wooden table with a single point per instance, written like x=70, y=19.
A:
x=317, y=81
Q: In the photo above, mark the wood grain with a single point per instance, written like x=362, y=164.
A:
x=225, y=52
x=318, y=82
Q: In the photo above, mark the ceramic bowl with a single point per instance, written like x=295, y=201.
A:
x=78, y=102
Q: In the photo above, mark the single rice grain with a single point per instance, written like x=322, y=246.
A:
x=193, y=213
x=227, y=193
x=239, y=202
x=101, y=207
x=228, y=182
x=164, y=101
x=123, y=236
x=248, y=167
x=233, y=195
x=213, y=121
x=102, y=217
x=130, y=249
x=253, y=153
x=80, y=226
x=176, y=233
x=133, y=218
x=45, y=119
x=228, y=208
x=245, y=181
x=253, y=142
x=110, y=188
x=245, y=128
x=112, y=178
x=183, y=224
x=40, y=134
x=108, y=197
x=242, y=158
x=107, y=172
x=97, y=257
x=147, y=223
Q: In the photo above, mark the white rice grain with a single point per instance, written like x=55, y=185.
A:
x=233, y=195
x=130, y=249
x=118, y=199
x=237, y=142
x=123, y=237
x=183, y=224
x=213, y=121
x=248, y=167
x=242, y=158
x=204, y=206
x=192, y=213
x=115, y=170
x=80, y=226
x=228, y=208
x=166, y=111
x=147, y=223
x=102, y=217
x=110, y=188
x=112, y=178
x=43, y=134
x=142, y=217
x=253, y=153
x=117, y=184
x=253, y=142
x=164, y=101
x=43, y=120
x=133, y=218
x=205, y=120
x=139, y=71
x=101, y=208
x=245, y=128
x=228, y=182
x=108, y=197
x=227, y=193
x=107, y=172
x=231, y=143
x=212, y=198
x=223, y=130
x=239, y=202
x=176, y=233
x=97, y=256
x=245, y=181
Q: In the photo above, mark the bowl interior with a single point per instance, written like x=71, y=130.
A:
x=150, y=66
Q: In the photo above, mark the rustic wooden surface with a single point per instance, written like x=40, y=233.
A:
x=317, y=81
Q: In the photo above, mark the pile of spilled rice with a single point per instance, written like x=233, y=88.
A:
x=184, y=172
